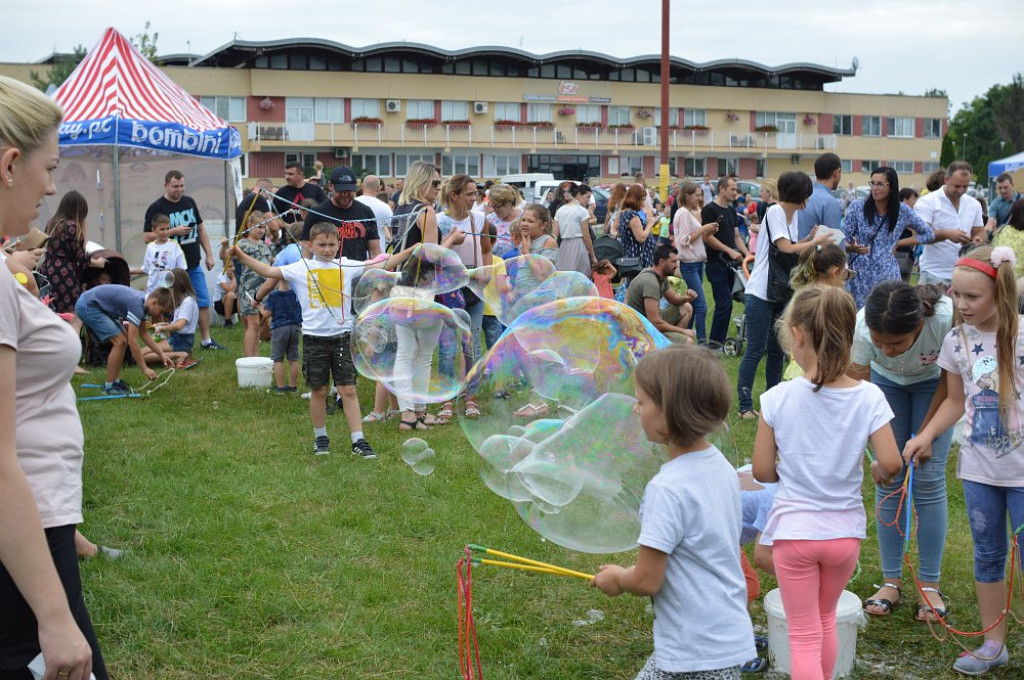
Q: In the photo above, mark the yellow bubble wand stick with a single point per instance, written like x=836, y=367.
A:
x=523, y=563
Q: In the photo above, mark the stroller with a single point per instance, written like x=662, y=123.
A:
x=733, y=346
x=608, y=248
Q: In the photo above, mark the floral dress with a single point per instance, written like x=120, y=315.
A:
x=879, y=264
x=630, y=246
x=63, y=266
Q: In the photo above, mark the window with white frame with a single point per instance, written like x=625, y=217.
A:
x=782, y=120
x=905, y=167
x=868, y=166
x=329, y=110
x=933, y=128
x=872, y=126
x=455, y=164
x=693, y=117
x=508, y=111
x=727, y=166
x=694, y=167
x=588, y=113
x=842, y=125
x=452, y=110
x=307, y=159
x=673, y=116
x=847, y=165
x=496, y=164
x=539, y=113
x=365, y=108
x=631, y=164
x=619, y=115
x=419, y=109
x=231, y=109
x=372, y=163
x=404, y=160
x=899, y=127
x=929, y=168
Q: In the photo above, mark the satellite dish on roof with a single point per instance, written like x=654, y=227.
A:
x=856, y=63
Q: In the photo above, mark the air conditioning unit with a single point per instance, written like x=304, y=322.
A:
x=650, y=136
x=341, y=152
x=393, y=105
x=479, y=107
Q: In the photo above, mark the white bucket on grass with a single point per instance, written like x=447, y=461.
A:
x=255, y=371
x=849, y=615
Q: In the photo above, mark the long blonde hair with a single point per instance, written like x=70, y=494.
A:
x=828, y=315
x=417, y=179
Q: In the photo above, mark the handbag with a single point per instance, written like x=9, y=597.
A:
x=628, y=267
x=780, y=266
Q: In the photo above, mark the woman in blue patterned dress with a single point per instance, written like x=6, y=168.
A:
x=634, y=227
x=872, y=229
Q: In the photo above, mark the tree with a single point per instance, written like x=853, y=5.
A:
x=59, y=71
x=978, y=128
x=948, y=154
x=146, y=44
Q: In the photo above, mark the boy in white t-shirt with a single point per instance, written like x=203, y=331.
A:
x=162, y=255
x=323, y=286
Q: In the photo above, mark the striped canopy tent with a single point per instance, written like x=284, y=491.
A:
x=125, y=125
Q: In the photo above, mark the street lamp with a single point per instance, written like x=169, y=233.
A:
x=1002, y=143
x=963, y=151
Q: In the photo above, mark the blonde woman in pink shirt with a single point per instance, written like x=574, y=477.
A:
x=692, y=256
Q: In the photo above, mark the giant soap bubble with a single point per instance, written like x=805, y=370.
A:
x=429, y=271
x=517, y=285
x=395, y=341
x=557, y=435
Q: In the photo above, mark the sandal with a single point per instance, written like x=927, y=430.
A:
x=446, y=413
x=430, y=421
x=886, y=604
x=749, y=414
x=410, y=425
x=374, y=417
x=531, y=411
x=929, y=613
x=472, y=410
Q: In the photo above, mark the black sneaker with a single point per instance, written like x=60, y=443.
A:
x=322, y=446
x=117, y=387
x=363, y=449
x=281, y=390
x=213, y=344
x=330, y=407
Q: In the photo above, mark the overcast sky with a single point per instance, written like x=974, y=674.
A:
x=904, y=46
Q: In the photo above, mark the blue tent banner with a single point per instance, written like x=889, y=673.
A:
x=224, y=143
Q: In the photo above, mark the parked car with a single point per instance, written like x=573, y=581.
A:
x=743, y=186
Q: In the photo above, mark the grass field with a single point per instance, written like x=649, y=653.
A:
x=248, y=557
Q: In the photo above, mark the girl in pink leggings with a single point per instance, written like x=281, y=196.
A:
x=819, y=425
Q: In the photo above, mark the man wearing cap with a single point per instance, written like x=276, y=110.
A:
x=357, y=225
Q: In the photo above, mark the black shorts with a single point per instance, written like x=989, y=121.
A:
x=323, y=358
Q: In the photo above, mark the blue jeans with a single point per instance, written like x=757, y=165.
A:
x=759, y=321
x=693, y=274
x=492, y=330
x=987, y=506
x=909, y=404
x=446, y=348
x=720, y=278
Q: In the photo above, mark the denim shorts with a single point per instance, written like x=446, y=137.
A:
x=99, y=323
x=182, y=342
x=198, y=278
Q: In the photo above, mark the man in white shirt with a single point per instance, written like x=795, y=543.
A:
x=381, y=210
x=950, y=208
x=709, y=190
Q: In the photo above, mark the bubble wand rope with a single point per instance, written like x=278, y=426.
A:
x=469, y=646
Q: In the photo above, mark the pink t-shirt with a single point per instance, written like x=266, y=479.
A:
x=690, y=249
x=603, y=283
x=49, y=431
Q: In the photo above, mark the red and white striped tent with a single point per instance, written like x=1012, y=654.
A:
x=126, y=124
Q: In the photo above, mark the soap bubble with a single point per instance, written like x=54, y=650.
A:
x=429, y=271
x=395, y=341
x=557, y=435
x=418, y=455
x=162, y=278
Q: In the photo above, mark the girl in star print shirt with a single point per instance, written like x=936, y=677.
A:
x=983, y=359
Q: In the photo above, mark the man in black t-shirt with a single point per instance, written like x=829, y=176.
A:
x=262, y=205
x=724, y=247
x=295, y=190
x=187, y=228
x=357, y=225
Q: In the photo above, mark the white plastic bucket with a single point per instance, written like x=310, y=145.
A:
x=849, y=615
x=254, y=371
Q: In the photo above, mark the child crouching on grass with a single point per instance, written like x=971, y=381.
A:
x=690, y=519
x=285, y=333
x=323, y=286
x=102, y=309
x=181, y=331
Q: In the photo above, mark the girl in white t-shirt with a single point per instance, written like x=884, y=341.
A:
x=817, y=521
x=984, y=368
x=181, y=331
x=690, y=520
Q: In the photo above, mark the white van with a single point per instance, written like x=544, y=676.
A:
x=527, y=182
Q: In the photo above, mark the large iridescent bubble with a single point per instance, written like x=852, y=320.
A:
x=429, y=271
x=557, y=434
x=517, y=285
x=395, y=341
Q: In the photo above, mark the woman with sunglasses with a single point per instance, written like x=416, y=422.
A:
x=873, y=227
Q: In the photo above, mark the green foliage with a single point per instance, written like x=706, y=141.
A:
x=989, y=127
x=146, y=44
x=948, y=154
x=59, y=71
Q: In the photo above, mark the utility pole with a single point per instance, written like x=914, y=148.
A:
x=665, y=78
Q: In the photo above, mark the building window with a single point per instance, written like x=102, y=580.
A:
x=307, y=160
x=508, y=111
x=872, y=126
x=899, y=127
x=783, y=121
x=588, y=113
x=905, y=167
x=631, y=165
x=404, y=160
x=933, y=128
x=451, y=110
x=619, y=115
x=365, y=108
x=373, y=164
x=538, y=113
x=693, y=117
x=673, y=117
x=231, y=109
x=329, y=110
x=496, y=165
x=929, y=168
x=847, y=165
x=761, y=167
x=419, y=109
x=842, y=125
x=727, y=167
x=695, y=167
x=868, y=166
x=454, y=164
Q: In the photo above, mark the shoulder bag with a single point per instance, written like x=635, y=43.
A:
x=780, y=266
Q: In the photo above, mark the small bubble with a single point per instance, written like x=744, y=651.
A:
x=216, y=405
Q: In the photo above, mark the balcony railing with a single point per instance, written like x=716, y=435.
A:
x=526, y=136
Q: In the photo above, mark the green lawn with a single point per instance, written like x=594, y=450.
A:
x=248, y=557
